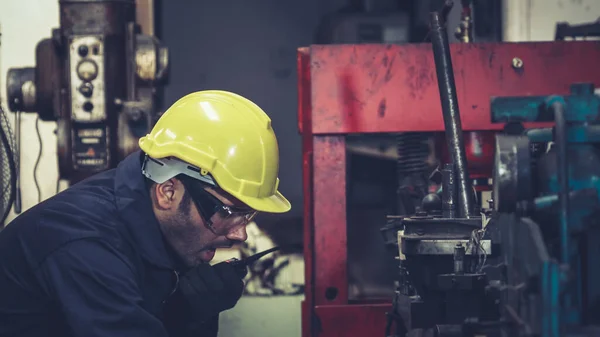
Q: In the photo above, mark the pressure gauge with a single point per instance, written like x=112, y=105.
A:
x=87, y=70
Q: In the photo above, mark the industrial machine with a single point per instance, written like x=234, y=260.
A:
x=519, y=264
x=97, y=77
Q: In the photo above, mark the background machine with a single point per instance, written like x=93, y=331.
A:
x=97, y=76
x=518, y=264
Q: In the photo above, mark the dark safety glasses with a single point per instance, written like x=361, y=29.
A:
x=208, y=205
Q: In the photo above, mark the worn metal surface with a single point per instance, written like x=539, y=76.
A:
x=144, y=14
x=562, y=173
x=304, y=122
x=451, y=113
x=18, y=98
x=95, y=17
x=326, y=310
x=442, y=247
x=329, y=220
x=393, y=88
x=48, y=79
x=479, y=149
x=88, y=70
x=449, y=192
x=92, y=33
x=512, y=172
x=352, y=320
x=565, y=173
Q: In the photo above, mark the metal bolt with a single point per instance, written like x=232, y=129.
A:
x=517, y=63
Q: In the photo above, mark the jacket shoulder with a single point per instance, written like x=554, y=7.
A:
x=85, y=210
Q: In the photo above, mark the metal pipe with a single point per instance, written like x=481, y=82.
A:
x=563, y=177
x=452, y=123
x=17, y=155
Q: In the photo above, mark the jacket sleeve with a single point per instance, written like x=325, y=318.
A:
x=97, y=292
x=180, y=321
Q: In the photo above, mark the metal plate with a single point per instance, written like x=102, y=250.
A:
x=94, y=56
x=441, y=247
x=393, y=88
x=355, y=320
x=512, y=172
x=90, y=147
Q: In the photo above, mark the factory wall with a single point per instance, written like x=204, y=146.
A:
x=535, y=20
x=24, y=23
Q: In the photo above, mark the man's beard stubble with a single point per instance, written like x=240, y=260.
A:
x=182, y=234
x=187, y=238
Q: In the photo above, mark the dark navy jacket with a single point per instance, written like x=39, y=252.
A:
x=90, y=261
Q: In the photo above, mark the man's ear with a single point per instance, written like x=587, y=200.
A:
x=165, y=194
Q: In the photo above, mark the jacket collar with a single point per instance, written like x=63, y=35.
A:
x=135, y=208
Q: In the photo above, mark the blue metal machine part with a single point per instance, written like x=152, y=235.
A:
x=548, y=181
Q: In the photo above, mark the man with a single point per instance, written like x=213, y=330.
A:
x=126, y=252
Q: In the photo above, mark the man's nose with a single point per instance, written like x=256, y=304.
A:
x=238, y=234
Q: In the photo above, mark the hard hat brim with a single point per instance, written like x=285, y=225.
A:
x=276, y=203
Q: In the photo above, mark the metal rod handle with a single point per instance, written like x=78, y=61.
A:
x=452, y=123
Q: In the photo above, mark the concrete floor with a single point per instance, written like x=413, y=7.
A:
x=263, y=316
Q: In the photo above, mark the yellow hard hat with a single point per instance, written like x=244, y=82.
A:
x=227, y=139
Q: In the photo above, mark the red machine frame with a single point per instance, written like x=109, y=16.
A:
x=347, y=89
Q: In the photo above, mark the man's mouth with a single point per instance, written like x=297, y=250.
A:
x=209, y=253
x=221, y=246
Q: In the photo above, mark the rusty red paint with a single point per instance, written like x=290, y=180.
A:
x=304, y=125
x=304, y=85
x=378, y=88
x=352, y=320
x=479, y=149
x=329, y=220
x=393, y=88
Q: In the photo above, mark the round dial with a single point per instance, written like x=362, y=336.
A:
x=87, y=70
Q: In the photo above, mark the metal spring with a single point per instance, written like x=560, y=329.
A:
x=413, y=151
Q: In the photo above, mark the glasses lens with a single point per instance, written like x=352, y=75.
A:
x=208, y=205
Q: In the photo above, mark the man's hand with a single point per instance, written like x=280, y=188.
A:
x=208, y=290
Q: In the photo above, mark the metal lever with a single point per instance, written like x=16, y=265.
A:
x=450, y=111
